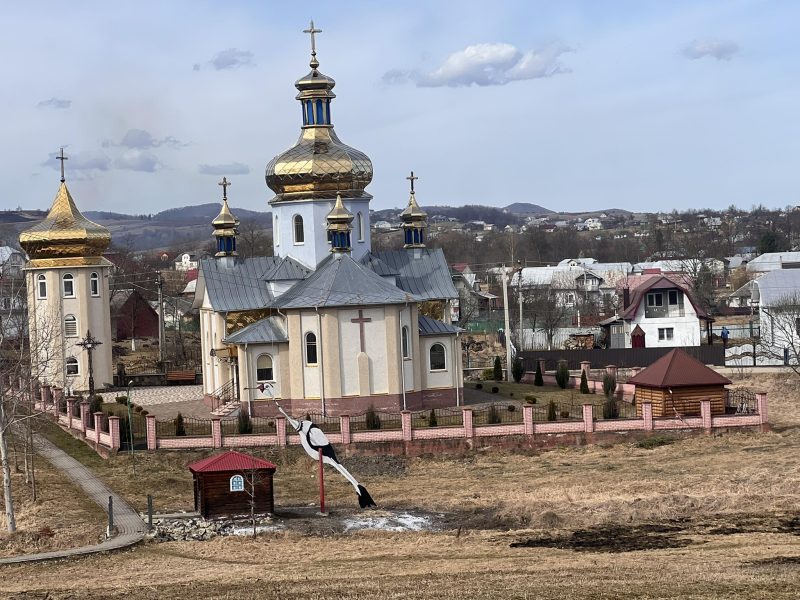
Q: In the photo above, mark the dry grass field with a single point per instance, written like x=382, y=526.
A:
x=698, y=517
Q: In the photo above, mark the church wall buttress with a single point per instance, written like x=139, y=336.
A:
x=296, y=362
x=393, y=349
x=332, y=364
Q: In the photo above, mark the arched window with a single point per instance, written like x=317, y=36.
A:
x=276, y=232
x=311, y=348
x=72, y=366
x=41, y=287
x=69, y=285
x=299, y=234
x=406, y=342
x=70, y=326
x=94, y=284
x=438, y=358
x=264, y=368
x=237, y=483
x=360, y=223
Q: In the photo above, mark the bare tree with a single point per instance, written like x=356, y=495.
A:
x=253, y=484
x=547, y=312
x=780, y=331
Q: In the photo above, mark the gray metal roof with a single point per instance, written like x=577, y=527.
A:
x=428, y=326
x=781, y=286
x=341, y=281
x=265, y=331
x=377, y=265
x=238, y=285
x=286, y=268
x=427, y=277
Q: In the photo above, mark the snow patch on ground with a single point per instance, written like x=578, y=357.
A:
x=399, y=522
x=245, y=530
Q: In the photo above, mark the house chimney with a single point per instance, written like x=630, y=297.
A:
x=626, y=298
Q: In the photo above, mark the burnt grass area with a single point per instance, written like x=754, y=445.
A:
x=676, y=533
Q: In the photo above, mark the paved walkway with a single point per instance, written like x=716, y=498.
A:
x=148, y=396
x=130, y=527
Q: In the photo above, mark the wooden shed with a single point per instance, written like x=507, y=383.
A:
x=225, y=484
x=676, y=383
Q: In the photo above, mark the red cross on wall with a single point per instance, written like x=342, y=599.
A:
x=361, y=320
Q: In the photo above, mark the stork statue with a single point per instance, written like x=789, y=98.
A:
x=314, y=441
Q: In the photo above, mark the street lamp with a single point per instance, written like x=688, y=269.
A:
x=89, y=344
x=130, y=427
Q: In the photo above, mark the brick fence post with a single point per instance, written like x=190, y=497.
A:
x=469, y=427
x=586, y=367
x=588, y=418
x=98, y=425
x=70, y=405
x=647, y=415
x=113, y=429
x=761, y=402
x=527, y=418
x=344, y=427
x=84, y=416
x=611, y=370
x=150, y=422
x=280, y=429
x=405, y=420
x=705, y=414
x=216, y=433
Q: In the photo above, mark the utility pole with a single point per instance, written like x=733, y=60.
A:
x=507, y=324
x=160, y=317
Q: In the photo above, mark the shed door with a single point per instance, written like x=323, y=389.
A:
x=637, y=340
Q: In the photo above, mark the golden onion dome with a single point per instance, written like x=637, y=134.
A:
x=319, y=164
x=413, y=213
x=225, y=223
x=65, y=237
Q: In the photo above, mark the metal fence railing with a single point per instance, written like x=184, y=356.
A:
x=192, y=427
x=437, y=417
x=375, y=420
x=741, y=402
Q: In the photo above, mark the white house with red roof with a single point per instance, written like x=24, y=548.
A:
x=660, y=312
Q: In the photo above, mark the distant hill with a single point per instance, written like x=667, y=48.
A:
x=206, y=212
x=526, y=208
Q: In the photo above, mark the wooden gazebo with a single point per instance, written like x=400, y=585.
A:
x=676, y=383
x=226, y=484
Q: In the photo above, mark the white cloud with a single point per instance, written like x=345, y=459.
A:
x=234, y=168
x=56, y=103
x=141, y=139
x=138, y=160
x=79, y=166
x=487, y=64
x=719, y=49
x=232, y=58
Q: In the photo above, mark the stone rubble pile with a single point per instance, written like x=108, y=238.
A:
x=198, y=529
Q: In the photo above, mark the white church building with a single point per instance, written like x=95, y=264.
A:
x=326, y=324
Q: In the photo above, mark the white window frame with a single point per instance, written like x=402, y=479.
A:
x=71, y=278
x=430, y=364
x=72, y=361
x=71, y=319
x=94, y=285
x=271, y=368
x=41, y=280
x=236, y=484
x=302, y=230
x=666, y=334
x=651, y=299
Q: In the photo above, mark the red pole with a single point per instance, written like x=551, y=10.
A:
x=321, y=484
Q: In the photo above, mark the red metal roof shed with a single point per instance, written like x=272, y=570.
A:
x=678, y=369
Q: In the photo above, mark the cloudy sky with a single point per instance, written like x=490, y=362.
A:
x=571, y=105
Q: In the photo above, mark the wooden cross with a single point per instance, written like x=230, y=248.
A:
x=62, y=158
x=361, y=320
x=224, y=183
x=412, y=179
x=312, y=31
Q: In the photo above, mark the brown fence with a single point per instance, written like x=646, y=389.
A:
x=621, y=357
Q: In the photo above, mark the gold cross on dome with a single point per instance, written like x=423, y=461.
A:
x=312, y=31
x=412, y=178
x=224, y=183
x=62, y=158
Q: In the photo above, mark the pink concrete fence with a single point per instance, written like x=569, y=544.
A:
x=95, y=432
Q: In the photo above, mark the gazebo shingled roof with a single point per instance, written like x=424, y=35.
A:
x=229, y=461
x=678, y=369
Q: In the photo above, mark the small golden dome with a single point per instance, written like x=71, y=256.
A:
x=225, y=223
x=413, y=213
x=65, y=235
x=339, y=217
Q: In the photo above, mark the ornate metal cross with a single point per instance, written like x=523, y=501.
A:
x=361, y=320
x=312, y=31
x=89, y=344
x=412, y=179
x=224, y=183
x=62, y=158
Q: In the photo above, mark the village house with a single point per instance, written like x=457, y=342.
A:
x=657, y=313
x=186, y=261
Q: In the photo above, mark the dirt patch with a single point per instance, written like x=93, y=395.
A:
x=777, y=561
x=376, y=466
x=613, y=538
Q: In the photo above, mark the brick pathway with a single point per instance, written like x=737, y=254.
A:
x=148, y=396
x=130, y=527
